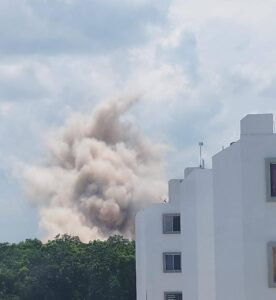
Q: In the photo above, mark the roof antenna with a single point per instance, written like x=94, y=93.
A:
x=201, y=162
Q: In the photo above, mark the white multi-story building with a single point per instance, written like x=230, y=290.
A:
x=216, y=237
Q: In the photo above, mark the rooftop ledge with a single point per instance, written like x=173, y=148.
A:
x=257, y=124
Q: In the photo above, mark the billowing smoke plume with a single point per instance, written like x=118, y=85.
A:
x=100, y=172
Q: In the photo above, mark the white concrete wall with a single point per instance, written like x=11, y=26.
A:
x=197, y=236
x=205, y=235
x=259, y=216
x=229, y=262
x=244, y=221
x=192, y=198
x=151, y=244
x=141, y=259
x=226, y=224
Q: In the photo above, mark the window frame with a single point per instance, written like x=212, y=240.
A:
x=175, y=292
x=164, y=262
x=271, y=282
x=163, y=223
x=268, y=162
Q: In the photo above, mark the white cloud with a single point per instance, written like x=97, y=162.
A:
x=59, y=26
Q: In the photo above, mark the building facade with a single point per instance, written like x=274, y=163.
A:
x=215, y=239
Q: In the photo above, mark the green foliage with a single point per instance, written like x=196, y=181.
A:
x=67, y=269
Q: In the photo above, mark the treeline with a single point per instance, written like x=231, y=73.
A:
x=66, y=268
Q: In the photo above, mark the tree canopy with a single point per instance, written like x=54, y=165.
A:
x=65, y=268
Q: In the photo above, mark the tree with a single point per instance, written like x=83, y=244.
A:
x=66, y=268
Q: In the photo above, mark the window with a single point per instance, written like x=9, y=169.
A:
x=171, y=223
x=272, y=264
x=173, y=296
x=271, y=179
x=172, y=262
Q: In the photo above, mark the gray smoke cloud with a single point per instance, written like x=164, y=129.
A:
x=101, y=170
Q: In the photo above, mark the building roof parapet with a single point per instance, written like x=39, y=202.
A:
x=256, y=124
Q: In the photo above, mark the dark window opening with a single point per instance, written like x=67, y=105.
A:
x=172, y=262
x=274, y=264
x=169, y=262
x=273, y=180
x=171, y=223
x=177, y=262
x=176, y=223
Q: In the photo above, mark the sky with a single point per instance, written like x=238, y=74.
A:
x=199, y=66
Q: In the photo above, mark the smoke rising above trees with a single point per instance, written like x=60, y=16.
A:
x=101, y=170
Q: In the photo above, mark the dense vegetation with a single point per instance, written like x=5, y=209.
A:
x=66, y=268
